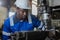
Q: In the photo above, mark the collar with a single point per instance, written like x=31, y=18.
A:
x=18, y=20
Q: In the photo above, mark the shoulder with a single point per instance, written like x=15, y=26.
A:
x=34, y=18
x=6, y=20
x=36, y=22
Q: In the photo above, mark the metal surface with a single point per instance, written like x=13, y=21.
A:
x=33, y=35
x=43, y=10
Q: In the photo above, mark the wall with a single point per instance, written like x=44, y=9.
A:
x=3, y=15
x=54, y=2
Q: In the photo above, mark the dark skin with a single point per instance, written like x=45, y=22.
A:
x=21, y=13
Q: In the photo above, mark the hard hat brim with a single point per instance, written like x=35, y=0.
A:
x=22, y=7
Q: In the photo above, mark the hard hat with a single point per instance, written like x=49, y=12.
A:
x=22, y=4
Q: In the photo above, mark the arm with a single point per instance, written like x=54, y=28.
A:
x=37, y=23
x=6, y=30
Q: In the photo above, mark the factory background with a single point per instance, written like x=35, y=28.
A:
x=7, y=6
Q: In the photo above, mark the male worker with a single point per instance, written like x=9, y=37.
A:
x=21, y=21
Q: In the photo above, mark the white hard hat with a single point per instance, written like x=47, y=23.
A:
x=22, y=4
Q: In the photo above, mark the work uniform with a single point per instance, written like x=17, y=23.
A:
x=13, y=24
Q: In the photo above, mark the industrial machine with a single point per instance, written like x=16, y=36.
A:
x=31, y=35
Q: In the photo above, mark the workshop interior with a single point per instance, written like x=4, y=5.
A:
x=48, y=11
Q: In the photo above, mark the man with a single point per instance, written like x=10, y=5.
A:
x=21, y=21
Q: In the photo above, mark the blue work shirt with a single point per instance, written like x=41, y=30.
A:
x=19, y=26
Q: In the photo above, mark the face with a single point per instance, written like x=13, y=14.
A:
x=21, y=13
